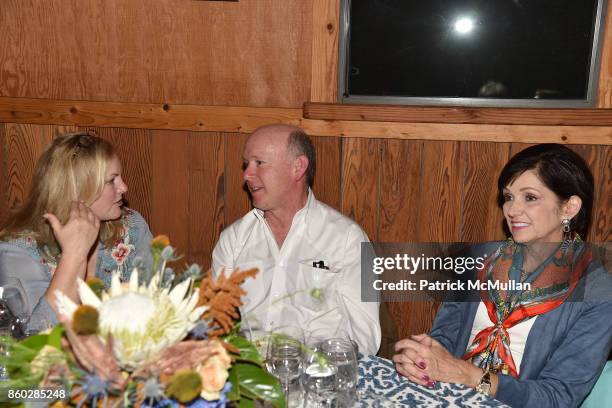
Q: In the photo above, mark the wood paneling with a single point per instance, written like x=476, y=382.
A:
x=431, y=114
x=361, y=183
x=21, y=147
x=325, y=27
x=247, y=53
x=247, y=119
x=481, y=218
x=329, y=170
x=239, y=203
x=467, y=132
x=206, y=194
x=145, y=116
x=601, y=228
x=400, y=190
x=170, y=186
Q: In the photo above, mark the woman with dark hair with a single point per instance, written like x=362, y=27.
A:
x=542, y=345
x=73, y=224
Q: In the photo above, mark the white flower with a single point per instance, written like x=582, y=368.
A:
x=142, y=320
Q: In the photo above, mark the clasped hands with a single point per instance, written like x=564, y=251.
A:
x=424, y=361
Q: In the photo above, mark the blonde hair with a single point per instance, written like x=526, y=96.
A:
x=71, y=169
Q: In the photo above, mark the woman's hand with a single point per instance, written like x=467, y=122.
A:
x=79, y=234
x=76, y=238
x=424, y=360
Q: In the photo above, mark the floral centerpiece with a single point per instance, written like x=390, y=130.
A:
x=159, y=340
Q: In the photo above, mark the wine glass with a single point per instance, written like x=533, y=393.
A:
x=318, y=377
x=14, y=308
x=284, y=360
x=341, y=352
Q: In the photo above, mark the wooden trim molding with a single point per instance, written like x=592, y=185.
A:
x=246, y=119
x=595, y=135
x=144, y=116
x=429, y=114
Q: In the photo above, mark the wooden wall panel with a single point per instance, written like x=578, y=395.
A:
x=602, y=225
x=325, y=38
x=592, y=156
x=360, y=183
x=440, y=201
x=400, y=190
x=170, y=189
x=206, y=194
x=329, y=170
x=247, y=53
x=481, y=217
x=22, y=145
x=237, y=201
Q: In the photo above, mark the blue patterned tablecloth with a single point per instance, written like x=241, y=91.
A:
x=381, y=386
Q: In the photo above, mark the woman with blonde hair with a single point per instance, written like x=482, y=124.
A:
x=73, y=225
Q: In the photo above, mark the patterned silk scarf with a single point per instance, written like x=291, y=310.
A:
x=550, y=285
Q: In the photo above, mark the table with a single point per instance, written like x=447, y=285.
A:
x=381, y=386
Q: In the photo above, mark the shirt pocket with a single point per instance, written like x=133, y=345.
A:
x=316, y=286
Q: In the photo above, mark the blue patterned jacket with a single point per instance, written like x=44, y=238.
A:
x=22, y=259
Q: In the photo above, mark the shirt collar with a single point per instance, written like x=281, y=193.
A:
x=302, y=212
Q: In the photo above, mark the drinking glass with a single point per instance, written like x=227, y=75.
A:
x=14, y=308
x=284, y=360
x=319, y=335
x=341, y=353
x=318, y=378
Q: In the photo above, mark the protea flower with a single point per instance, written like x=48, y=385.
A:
x=142, y=320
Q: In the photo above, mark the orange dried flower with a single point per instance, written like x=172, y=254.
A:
x=222, y=296
x=160, y=242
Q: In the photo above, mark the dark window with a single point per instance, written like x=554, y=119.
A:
x=500, y=49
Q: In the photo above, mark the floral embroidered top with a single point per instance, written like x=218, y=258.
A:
x=22, y=258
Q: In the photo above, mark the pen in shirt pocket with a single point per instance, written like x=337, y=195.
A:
x=318, y=264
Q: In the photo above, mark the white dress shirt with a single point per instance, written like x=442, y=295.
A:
x=294, y=286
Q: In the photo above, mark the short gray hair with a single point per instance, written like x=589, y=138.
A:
x=300, y=144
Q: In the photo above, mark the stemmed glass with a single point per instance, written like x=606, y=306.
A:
x=14, y=308
x=341, y=353
x=284, y=360
x=318, y=377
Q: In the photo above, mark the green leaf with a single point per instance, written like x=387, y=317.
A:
x=234, y=394
x=36, y=342
x=254, y=383
x=246, y=403
x=248, y=351
x=55, y=337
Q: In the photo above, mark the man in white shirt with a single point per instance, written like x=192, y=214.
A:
x=308, y=254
